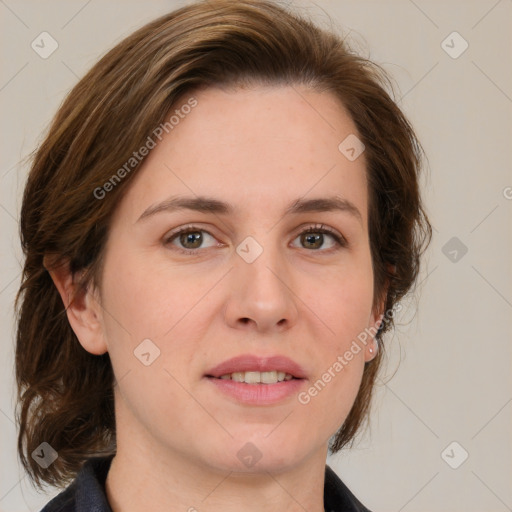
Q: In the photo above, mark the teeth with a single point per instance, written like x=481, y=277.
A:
x=258, y=377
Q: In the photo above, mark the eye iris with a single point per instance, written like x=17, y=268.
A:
x=194, y=238
x=312, y=238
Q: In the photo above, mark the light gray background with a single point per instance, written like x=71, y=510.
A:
x=453, y=350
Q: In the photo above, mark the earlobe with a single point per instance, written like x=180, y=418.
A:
x=373, y=345
x=82, y=308
x=377, y=319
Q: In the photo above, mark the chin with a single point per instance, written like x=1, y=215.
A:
x=257, y=454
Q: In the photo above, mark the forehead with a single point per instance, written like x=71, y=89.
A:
x=252, y=147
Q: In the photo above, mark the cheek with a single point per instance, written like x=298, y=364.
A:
x=155, y=394
x=145, y=301
x=162, y=305
x=142, y=315
x=343, y=301
x=327, y=401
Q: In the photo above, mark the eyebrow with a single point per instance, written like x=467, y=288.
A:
x=211, y=205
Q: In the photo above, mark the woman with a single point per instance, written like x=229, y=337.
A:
x=218, y=229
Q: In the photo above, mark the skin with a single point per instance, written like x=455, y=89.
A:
x=258, y=149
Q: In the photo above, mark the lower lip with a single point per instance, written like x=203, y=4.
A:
x=258, y=394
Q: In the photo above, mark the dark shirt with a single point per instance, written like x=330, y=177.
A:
x=87, y=492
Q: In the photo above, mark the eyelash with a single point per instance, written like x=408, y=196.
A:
x=317, y=228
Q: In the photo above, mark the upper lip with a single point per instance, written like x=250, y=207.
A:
x=252, y=363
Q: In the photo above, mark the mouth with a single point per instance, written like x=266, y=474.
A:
x=258, y=381
x=257, y=370
x=271, y=385
x=254, y=377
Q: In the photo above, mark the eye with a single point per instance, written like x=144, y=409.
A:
x=314, y=236
x=189, y=239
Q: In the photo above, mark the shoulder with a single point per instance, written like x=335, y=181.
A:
x=63, y=502
x=338, y=497
x=86, y=492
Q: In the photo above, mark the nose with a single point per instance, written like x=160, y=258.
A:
x=261, y=296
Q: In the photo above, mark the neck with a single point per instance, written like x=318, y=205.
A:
x=143, y=478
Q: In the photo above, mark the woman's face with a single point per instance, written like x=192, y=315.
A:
x=241, y=281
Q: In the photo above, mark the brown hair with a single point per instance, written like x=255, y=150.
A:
x=65, y=394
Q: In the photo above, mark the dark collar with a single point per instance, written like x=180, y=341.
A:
x=337, y=496
x=87, y=492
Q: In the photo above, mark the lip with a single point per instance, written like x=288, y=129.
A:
x=252, y=363
x=257, y=394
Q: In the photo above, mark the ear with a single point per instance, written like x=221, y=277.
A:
x=377, y=317
x=83, y=308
